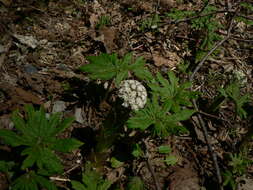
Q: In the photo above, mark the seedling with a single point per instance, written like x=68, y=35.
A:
x=104, y=20
x=237, y=167
x=150, y=23
x=37, y=135
x=232, y=92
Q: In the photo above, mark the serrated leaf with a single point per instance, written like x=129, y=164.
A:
x=25, y=182
x=121, y=76
x=11, y=138
x=63, y=125
x=66, y=145
x=44, y=182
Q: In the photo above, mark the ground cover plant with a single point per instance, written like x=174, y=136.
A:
x=126, y=95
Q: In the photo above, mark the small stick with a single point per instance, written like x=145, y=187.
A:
x=58, y=179
x=151, y=169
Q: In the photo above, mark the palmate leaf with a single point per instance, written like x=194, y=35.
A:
x=101, y=67
x=159, y=118
x=106, y=67
x=6, y=166
x=171, y=91
x=38, y=135
x=136, y=184
x=32, y=181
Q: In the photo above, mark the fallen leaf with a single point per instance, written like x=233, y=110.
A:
x=107, y=36
x=171, y=61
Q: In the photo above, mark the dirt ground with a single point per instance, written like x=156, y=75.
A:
x=44, y=42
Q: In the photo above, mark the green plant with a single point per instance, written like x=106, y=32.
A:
x=37, y=136
x=208, y=24
x=232, y=92
x=174, y=94
x=106, y=67
x=104, y=20
x=237, y=167
x=159, y=117
x=137, y=151
x=135, y=184
x=91, y=180
x=150, y=23
x=169, y=159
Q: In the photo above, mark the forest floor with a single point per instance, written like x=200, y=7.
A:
x=43, y=43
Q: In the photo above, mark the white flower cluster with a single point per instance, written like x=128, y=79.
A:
x=133, y=93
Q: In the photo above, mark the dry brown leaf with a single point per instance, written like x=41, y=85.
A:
x=184, y=179
x=27, y=96
x=171, y=61
x=107, y=37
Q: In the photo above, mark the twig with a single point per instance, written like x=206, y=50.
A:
x=213, y=154
x=58, y=179
x=151, y=169
x=201, y=121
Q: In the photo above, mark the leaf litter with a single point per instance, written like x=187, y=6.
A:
x=57, y=37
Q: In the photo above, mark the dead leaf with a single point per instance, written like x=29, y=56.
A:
x=27, y=97
x=7, y=3
x=184, y=179
x=30, y=41
x=107, y=36
x=171, y=61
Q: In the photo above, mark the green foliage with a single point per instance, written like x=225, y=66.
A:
x=6, y=166
x=91, y=180
x=106, y=67
x=135, y=184
x=171, y=92
x=164, y=149
x=150, y=23
x=137, y=151
x=38, y=136
x=237, y=167
x=176, y=14
x=116, y=163
x=32, y=181
x=163, y=123
x=104, y=20
x=232, y=91
x=206, y=24
x=169, y=159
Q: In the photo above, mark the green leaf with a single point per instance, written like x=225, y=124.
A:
x=121, y=76
x=44, y=182
x=6, y=166
x=116, y=163
x=77, y=185
x=33, y=154
x=63, y=125
x=170, y=160
x=164, y=149
x=135, y=184
x=66, y=145
x=101, y=67
x=11, y=138
x=137, y=151
x=25, y=182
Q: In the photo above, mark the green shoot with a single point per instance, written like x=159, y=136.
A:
x=150, y=23
x=104, y=20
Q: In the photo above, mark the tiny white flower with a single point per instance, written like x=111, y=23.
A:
x=133, y=93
